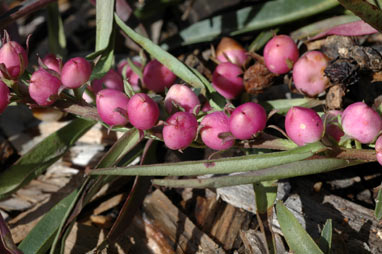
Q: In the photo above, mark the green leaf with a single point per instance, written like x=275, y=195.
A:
x=217, y=166
x=265, y=195
x=369, y=13
x=283, y=105
x=298, y=240
x=378, y=205
x=104, y=23
x=171, y=62
x=56, y=33
x=41, y=236
x=325, y=241
x=299, y=168
x=256, y=17
x=44, y=154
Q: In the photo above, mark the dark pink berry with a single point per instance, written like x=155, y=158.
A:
x=131, y=76
x=227, y=80
x=143, y=111
x=280, y=53
x=180, y=130
x=112, y=106
x=75, y=72
x=183, y=96
x=230, y=50
x=53, y=62
x=378, y=149
x=111, y=80
x=156, y=76
x=332, y=130
x=361, y=122
x=44, y=87
x=4, y=96
x=303, y=125
x=247, y=120
x=214, y=127
x=308, y=73
x=15, y=59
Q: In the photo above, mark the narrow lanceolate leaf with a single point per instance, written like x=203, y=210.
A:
x=325, y=241
x=298, y=240
x=41, y=236
x=104, y=23
x=378, y=205
x=176, y=66
x=217, y=166
x=369, y=13
x=283, y=105
x=44, y=154
x=299, y=168
x=56, y=33
x=259, y=16
x=265, y=195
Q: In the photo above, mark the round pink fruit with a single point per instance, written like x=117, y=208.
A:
x=378, y=149
x=112, y=106
x=280, y=53
x=303, y=125
x=156, y=76
x=143, y=111
x=53, y=62
x=180, y=130
x=213, y=126
x=183, y=96
x=111, y=80
x=247, y=120
x=4, y=96
x=361, y=122
x=230, y=50
x=132, y=77
x=227, y=81
x=308, y=73
x=15, y=59
x=75, y=72
x=44, y=87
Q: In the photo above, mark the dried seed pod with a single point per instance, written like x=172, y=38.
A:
x=257, y=77
x=343, y=71
x=334, y=97
x=366, y=57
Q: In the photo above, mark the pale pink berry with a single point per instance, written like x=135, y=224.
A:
x=280, y=53
x=53, y=62
x=4, y=96
x=131, y=76
x=361, y=122
x=303, y=125
x=112, y=106
x=183, y=96
x=111, y=80
x=75, y=72
x=143, y=111
x=230, y=50
x=378, y=149
x=15, y=59
x=214, y=127
x=332, y=130
x=157, y=77
x=227, y=80
x=308, y=73
x=247, y=120
x=44, y=87
x=180, y=130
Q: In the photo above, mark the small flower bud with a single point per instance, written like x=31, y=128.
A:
x=227, y=81
x=183, y=96
x=143, y=111
x=44, y=87
x=214, y=125
x=231, y=49
x=75, y=72
x=15, y=59
x=156, y=76
x=112, y=106
x=180, y=130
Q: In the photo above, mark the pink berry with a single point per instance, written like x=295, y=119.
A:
x=4, y=96
x=280, y=53
x=332, y=130
x=308, y=73
x=231, y=49
x=180, y=130
x=156, y=76
x=44, y=87
x=111, y=80
x=112, y=106
x=53, y=62
x=75, y=72
x=303, y=125
x=361, y=122
x=247, y=120
x=378, y=149
x=213, y=126
x=183, y=96
x=227, y=81
x=131, y=76
x=10, y=55
x=143, y=111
